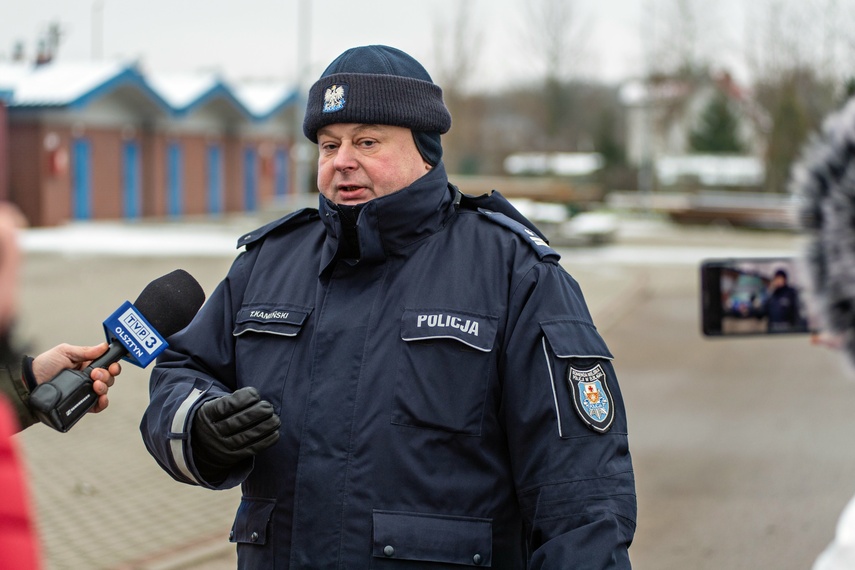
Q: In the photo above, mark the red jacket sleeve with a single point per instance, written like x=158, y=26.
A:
x=19, y=547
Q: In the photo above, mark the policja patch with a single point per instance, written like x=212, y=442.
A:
x=592, y=398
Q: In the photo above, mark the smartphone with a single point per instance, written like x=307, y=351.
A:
x=755, y=296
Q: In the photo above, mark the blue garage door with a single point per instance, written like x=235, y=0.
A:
x=215, y=179
x=174, y=176
x=250, y=179
x=81, y=193
x=281, y=172
x=132, y=179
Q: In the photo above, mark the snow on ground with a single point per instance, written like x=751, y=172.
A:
x=167, y=239
x=638, y=242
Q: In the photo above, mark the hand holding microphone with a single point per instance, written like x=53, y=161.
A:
x=230, y=429
x=137, y=332
x=48, y=364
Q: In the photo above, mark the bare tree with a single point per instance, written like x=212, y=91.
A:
x=678, y=51
x=456, y=48
x=780, y=40
x=555, y=35
x=796, y=77
x=683, y=37
x=814, y=34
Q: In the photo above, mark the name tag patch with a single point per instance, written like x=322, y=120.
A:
x=284, y=320
x=265, y=315
x=592, y=397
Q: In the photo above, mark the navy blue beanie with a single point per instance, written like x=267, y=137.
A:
x=384, y=86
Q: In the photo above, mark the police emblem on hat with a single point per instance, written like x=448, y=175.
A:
x=335, y=97
x=592, y=398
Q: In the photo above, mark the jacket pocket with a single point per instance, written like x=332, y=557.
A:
x=404, y=540
x=582, y=377
x=253, y=521
x=443, y=369
x=266, y=336
x=575, y=339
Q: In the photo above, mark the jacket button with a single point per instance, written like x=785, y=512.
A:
x=389, y=551
x=476, y=559
x=253, y=537
x=231, y=534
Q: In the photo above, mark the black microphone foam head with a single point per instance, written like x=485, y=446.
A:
x=170, y=302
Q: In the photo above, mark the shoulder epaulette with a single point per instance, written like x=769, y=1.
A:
x=292, y=220
x=495, y=202
x=499, y=210
x=533, y=239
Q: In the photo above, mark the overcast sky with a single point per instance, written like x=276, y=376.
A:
x=259, y=38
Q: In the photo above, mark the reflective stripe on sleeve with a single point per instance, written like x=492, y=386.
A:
x=179, y=422
x=554, y=393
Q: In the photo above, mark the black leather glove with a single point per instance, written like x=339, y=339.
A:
x=231, y=429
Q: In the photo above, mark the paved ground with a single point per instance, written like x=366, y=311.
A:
x=740, y=447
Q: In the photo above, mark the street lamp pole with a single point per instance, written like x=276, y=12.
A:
x=646, y=167
x=302, y=149
x=97, y=29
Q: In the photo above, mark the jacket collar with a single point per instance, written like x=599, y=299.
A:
x=394, y=221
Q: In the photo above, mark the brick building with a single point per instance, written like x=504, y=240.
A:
x=105, y=141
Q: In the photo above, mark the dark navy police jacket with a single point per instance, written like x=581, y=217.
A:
x=432, y=415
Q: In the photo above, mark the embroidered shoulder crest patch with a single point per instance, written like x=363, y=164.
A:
x=592, y=397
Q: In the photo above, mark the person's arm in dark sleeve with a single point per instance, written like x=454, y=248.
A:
x=197, y=367
x=16, y=393
x=567, y=429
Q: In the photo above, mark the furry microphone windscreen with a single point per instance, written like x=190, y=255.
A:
x=823, y=183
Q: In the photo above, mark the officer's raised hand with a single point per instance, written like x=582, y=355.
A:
x=231, y=429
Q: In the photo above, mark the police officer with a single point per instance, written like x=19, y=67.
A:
x=405, y=377
x=782, y=306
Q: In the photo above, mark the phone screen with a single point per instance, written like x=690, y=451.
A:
x=754, y=296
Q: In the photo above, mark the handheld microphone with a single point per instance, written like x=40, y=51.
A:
x=137, y=332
